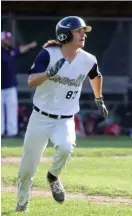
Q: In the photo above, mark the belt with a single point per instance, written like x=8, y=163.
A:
x=51, y=115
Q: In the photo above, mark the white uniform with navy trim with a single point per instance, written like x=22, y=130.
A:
x=61, y=95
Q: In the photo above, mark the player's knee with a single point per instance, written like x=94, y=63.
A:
x=66, y=149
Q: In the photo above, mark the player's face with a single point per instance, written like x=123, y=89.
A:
x=78, y=37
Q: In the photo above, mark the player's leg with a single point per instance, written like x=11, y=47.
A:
x=63, y=138
x=3, y=111
x=12, y=111
x=36, y=139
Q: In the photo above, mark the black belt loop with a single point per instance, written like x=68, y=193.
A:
x=51, y=115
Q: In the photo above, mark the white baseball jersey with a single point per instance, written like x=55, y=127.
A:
x=60, y=95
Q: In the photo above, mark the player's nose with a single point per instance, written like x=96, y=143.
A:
x=82, y=36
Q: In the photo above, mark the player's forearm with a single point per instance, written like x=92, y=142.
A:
x=96, y=84
x=35, y=80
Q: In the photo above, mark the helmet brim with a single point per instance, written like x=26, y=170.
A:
x=88, y=29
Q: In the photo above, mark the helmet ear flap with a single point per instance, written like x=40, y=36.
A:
x=65, y=37
x=62, y=37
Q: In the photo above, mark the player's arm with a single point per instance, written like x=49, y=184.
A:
x=96, y=81
x=39, y=73
x=35, y=80
x=96, y=84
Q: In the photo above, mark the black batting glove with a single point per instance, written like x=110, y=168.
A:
x=101, y=106
x=55, y=68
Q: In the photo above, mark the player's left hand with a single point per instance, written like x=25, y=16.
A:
x=100, y=104
x=56, y=67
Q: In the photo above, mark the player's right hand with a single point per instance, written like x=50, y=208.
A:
x=55, y=68
x=100, y=104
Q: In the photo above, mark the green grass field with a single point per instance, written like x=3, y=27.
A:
x=99, y=166
x=41, y=206
x=92, y=146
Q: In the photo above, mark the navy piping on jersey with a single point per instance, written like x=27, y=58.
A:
x=41, y=62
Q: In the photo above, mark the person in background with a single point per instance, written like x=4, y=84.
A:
x=9, y=100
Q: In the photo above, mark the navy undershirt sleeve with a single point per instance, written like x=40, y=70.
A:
x=94, y=72
x=41, y=62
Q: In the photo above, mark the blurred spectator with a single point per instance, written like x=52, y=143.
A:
x=79, y=126
x=89, y=124
x=112, y=129
x=9, y=100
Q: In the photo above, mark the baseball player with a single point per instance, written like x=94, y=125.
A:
x=58, y=73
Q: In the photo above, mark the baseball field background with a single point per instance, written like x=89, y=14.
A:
x=97, y=179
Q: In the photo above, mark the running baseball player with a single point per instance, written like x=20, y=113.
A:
x=58, y=73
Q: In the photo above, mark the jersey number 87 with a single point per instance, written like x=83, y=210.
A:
x=71, y=94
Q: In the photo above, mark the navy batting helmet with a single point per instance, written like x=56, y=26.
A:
x=65, y=25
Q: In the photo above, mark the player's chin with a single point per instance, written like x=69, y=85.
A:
x=81, y=44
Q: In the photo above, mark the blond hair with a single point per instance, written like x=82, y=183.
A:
x=50, y=43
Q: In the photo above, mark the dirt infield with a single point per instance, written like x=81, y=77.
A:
x=77, y=196
x=38, y=192
x=16, y=160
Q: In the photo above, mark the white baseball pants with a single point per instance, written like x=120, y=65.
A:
x=40, y=129
x=9, y=108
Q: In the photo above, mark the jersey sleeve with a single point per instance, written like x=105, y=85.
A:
x=40, y=63
x=94, y=70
